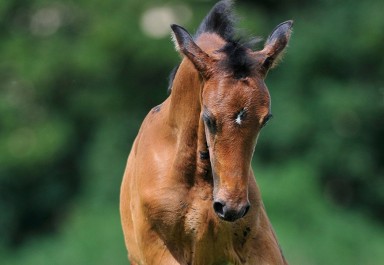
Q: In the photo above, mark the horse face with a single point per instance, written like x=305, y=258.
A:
x=235, y=105
x=233, y=112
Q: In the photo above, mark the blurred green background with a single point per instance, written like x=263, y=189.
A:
x=78, y=77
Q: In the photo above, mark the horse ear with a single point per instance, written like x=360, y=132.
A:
x=275, y=45
x=184, y=44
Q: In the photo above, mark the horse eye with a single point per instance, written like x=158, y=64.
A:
x=210, y=122
x=266, y=119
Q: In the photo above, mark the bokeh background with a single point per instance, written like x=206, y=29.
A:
x=78, y=77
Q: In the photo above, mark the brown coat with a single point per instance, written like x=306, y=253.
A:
x=189, y=195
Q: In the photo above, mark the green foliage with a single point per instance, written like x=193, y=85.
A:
x=311, y=230
x=77, y=78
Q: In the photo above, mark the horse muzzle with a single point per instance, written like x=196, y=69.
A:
x=228, y=212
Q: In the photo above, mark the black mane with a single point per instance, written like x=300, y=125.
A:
x=172, y=77
x=237, y=61
x=220, y=20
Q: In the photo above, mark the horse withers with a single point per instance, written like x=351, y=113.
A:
x=188, y=194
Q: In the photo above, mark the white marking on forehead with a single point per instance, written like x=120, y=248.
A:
x=238, y=119
x=240, y=116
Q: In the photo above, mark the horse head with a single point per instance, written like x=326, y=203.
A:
x=235, y=105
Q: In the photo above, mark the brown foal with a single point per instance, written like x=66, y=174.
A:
x=189, y=195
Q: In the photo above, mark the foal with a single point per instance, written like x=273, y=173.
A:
x=189, y=195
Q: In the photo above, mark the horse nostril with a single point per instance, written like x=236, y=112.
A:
x=219, y=208
x=229, y=214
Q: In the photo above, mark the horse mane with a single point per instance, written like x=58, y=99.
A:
x=237, y=61
x=221, y=21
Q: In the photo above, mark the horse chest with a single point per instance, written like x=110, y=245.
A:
x=214, y=241
x=189, y=227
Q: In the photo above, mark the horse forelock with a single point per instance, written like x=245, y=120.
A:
x=237, y=61
x=220, y=21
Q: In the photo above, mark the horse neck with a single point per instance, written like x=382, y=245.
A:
x=184, y=118
x=185, y=97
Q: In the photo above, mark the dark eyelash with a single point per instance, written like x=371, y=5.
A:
x=266, y=120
